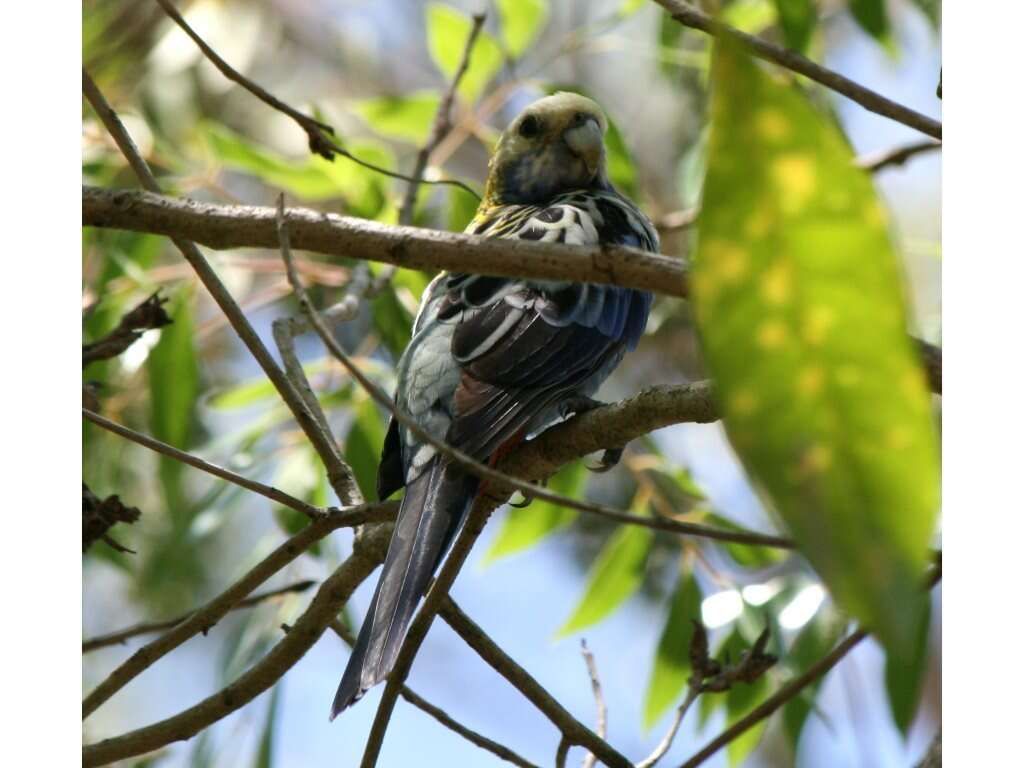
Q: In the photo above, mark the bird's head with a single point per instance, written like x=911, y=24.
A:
x=555, y=145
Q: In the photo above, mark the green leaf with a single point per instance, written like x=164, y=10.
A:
x=750, y=16
x=629, y=7
x=797, y=19
x=363, y=446
x=265, y=755
x=392, y=321
x=312, y=177
x=671, y=671
x=256, y=390
x=621, y=169
x=739, y=700
x=447, y=33
x=904, y=682
x=799, y=302
x=407, y=117
x=615, y=576
x=523, y=528
x=746, y=555
x=521, y=21
x=931, y=9
x=461, y=209
x=816, y=638
x=872, y=17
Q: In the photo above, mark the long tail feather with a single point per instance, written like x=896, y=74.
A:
x=433, y=507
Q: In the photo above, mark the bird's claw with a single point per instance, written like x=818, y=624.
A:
x=609, y=459
x=579, y=404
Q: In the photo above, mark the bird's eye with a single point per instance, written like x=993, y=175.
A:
x=579, y=118
x=529, y=127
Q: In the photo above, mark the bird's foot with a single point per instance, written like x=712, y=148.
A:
x=579, y=404
x=610, y=458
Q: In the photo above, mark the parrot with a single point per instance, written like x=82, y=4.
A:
x=495, y=359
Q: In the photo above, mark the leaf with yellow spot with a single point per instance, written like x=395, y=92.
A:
x=799, y=300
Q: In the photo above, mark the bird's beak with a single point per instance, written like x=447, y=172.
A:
x=586, y=142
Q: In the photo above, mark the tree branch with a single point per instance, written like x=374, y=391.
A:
x=321, y=442
x=331, y=596
x=689, y=16
x=602, y=707
x=442, y=125
x=149, y=314
x=205, y=617
x=318, y=133
x=877, y=161
x=232, y=226
x=310, y=511
x=575, y=732
x=145, y=628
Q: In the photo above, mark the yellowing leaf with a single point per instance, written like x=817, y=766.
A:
x=799, y=301
x=616, y=574
x=447, y=33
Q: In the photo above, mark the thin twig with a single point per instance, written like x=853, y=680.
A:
x=665, y=744
x=575, y=732
x=337, y=475
x=145, y=628
x=332, y=595
x=407, y=693
x=590, y=759
x=318, y=133
x=442, y=124
x=562, y=753
x=689, y=16
x=877, y=161
x=204, y=618
x=310, y=511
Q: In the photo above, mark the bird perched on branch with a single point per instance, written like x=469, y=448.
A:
x=493, y=359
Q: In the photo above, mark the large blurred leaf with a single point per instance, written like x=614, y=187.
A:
x=301, y=474
x=750, y=16
x=363, y=446
x=931, y=9
x=407, y=117
x=739, y=700
x=816, y=638
x=872, y=17
x=615, y=576
x=461, y=208
x=797, y=19
x=621, y=169
x=746, y=555
x=671, y=670
x=904, y=682
x=528, y=526
x=447, y=33
x=265, y=755
x=311, y=178
x=521, y=22
x=799, y=302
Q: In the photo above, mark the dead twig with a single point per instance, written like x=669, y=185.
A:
x=100, y=515
x=590, y=759
x=147, y=315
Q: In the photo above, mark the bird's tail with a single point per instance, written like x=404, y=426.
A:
x=430, y=513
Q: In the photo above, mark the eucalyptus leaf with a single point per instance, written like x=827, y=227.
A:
x=672, y=667
x=521, y=22
x=447, y=33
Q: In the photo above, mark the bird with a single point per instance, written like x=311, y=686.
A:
x=495, y=359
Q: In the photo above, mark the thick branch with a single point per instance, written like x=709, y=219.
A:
x=331, y=596
x=689, y=16
x=216, y=609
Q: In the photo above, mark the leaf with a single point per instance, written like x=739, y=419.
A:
x=904, y=682
x=799, y=302
x=746, y=555
x=461, y=209
x=797, y=19
x=447, y=33
x=302, y=475
x=523, y=528
x=621, y=169
x=363, y=446
x=672, y=666
x=521, y=21
x=816, y=638
x=739, y=700
x=750, y=16
x=616, y=574
x=931, y=9
x=392, y=321
x=256, y=390
x=872, y=17
x=265, y=755
x=407, y=117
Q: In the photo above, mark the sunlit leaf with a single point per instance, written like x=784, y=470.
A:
x=671, y=670
x=797, y=19
x=407, y=117
x=265, y=754
x=904, y=682
x=363, y=446
x=872, y=17
x=750, y=16
x=799, y=302
x=526, y=527
x=629, y=7
x=521, y=22
x=447, y=33
x=615, y=576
